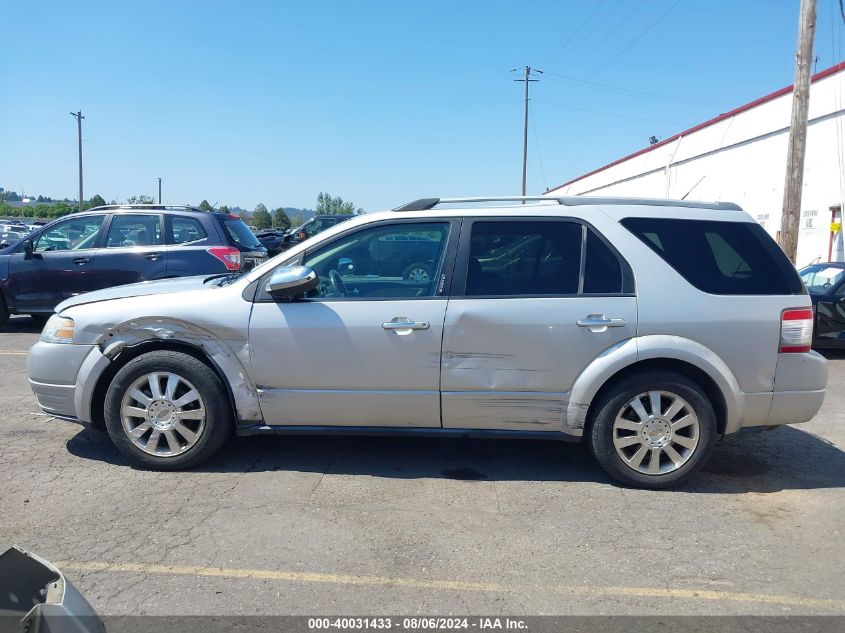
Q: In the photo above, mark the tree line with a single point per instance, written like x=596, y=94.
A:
x=261, y=217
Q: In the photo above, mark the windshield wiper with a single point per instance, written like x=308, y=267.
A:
x=224, y=279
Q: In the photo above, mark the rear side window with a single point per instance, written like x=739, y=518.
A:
x=240, y=233
x=603, y=273
x=134, y=229
x=184, y=230
x=722, y=258
x=524, y=258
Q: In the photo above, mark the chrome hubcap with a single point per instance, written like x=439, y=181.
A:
x=656, y=432
x=418, y=274
x=163, y=414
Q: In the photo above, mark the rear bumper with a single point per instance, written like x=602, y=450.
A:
x=793, y=407
x=800, y=384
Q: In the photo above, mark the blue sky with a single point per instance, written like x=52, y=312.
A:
x=379, y=102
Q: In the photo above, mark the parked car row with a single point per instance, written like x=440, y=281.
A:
x=276, y=240
x=12, y=231
x=115, y=245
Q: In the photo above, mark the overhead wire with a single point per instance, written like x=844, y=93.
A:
x=610, y=114
x=576, y=31
x=631, y=92
x=641, y=35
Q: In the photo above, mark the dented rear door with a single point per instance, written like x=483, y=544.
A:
x=534, y=302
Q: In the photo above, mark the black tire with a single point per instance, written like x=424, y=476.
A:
x=4, y=312
x=600, y=432
x=40, y=318
x=412, y=271
x=218, y=419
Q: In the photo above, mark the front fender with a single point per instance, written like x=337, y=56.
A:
x=159, y=329
x=653, y=347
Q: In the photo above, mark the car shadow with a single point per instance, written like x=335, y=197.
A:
x=784, y=459
x=23, y=324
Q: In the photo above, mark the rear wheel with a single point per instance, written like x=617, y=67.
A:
x=167, y=410
x=4, y=312
x=653, y=430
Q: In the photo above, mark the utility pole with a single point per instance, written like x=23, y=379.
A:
x=78, y=116
x=527, y=79
x=159, y=190
x=791, y=218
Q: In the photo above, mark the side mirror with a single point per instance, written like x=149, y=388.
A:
x=289, y=281
x=5, y=243
x=27, y=249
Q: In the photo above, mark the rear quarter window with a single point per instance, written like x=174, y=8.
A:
x=722, y=258
x=240, y=233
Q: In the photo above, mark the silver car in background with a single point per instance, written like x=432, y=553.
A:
x=645, y=328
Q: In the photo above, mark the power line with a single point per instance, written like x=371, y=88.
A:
x=620, y=24
x=637, y=38
x=576, y=31
x=633, y=93
x=610, y=114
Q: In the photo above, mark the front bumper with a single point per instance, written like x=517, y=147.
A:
x=57, y=375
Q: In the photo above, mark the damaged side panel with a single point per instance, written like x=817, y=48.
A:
x=511, y=363
x=227, y=350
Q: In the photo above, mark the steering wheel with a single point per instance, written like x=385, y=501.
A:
x=338, y=286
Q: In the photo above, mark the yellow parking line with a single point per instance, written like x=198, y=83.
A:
x=456, y=585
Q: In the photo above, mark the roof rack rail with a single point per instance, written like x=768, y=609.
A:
x=129, y=205
x=424, y=204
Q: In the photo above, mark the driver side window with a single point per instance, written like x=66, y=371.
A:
x=69, y=235
x=397, y=261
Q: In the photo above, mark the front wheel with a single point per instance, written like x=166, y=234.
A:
x=167, y=410
x=653, y=430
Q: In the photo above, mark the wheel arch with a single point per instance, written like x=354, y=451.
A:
x=669, y=353
x=130, y=353
x=124, y=343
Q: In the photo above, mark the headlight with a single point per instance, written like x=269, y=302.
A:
x=59, y=329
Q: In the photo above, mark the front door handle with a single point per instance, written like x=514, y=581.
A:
x=152, y=256
x=404, y=325
x=599, y=322
x=79, y=261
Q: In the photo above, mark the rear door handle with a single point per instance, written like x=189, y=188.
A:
x=404, y=325
x=153, y=256
x=79, y=261
x=599, y=322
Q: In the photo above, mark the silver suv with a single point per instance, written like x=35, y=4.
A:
x=646, y=328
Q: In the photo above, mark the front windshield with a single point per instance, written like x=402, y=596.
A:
x=820, y=278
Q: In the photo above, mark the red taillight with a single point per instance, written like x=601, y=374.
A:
x=228, y=255
x=796, y=330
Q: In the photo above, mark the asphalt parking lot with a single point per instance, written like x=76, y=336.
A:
x=305, y=525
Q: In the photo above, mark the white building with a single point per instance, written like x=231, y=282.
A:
x=740, y=156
